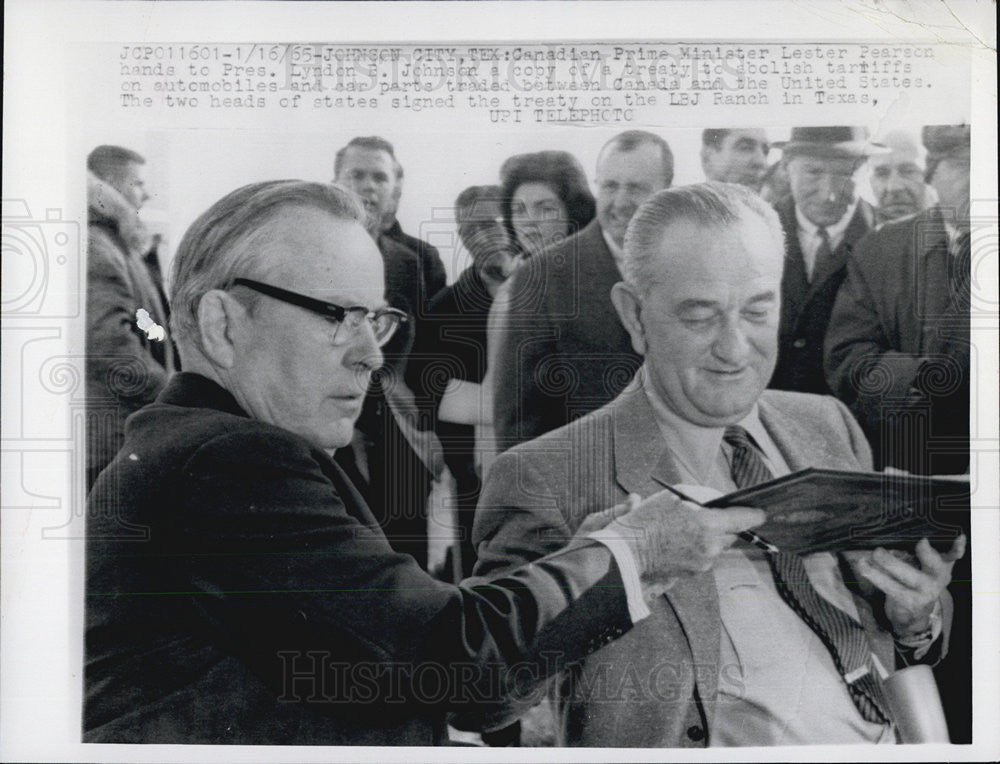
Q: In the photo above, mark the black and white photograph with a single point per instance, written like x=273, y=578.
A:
x=404, y=381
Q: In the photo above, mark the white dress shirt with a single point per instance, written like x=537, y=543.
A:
x=777, y=682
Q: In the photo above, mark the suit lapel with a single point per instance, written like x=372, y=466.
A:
x=643, y=465
x=932, y=286
x=794, y=281
x=642, y=461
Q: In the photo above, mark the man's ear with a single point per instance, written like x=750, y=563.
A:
x=220, y=319
x=629, y=310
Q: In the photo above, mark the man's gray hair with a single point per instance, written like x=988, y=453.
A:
x=224, y=243
x=710, y=205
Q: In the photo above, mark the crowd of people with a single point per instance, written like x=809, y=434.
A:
x=604, y=343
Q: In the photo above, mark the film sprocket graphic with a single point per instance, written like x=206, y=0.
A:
x=42, y=263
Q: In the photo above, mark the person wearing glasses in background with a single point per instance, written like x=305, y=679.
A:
x=239, y=590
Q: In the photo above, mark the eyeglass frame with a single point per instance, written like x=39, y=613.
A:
x=326, y=309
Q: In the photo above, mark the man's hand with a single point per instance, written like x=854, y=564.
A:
x=910, y=589
x=669, y=537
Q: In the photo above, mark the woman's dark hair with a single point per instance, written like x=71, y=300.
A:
x=560, y=171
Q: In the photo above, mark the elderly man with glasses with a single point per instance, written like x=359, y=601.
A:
x=239, y=590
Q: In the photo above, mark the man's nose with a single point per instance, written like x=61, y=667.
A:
x=894, y=182
x=731, y=344
x=364, y=353
x=623, y=198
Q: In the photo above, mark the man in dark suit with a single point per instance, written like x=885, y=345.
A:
x=898, y=342
x=392, y=460
x=562, y=351
x=823, y=220
x=238, y=588
x=755, y=648
x=368, y=166
x=898, y=353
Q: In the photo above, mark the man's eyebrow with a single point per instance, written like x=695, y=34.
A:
x=764, y=296
x=695, y=302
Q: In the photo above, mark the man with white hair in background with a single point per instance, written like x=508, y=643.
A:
x=823, y=219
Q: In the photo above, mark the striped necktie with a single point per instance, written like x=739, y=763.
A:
x=846, y=640
x=823, y=252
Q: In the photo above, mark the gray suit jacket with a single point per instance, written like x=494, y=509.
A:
x=657, y=685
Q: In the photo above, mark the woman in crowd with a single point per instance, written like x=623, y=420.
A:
x=545, y=199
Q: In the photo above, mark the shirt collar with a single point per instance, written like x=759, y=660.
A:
x=835, y=231
x=616, y=252
x=694, y=446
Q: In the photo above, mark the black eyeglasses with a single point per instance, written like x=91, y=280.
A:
x=383, y=321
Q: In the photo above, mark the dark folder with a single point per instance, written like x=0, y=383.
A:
x=817, y=510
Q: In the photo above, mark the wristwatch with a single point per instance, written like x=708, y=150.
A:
x=927, y=635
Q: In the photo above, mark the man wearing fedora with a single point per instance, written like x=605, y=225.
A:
x=898, y=354
x=823, y=220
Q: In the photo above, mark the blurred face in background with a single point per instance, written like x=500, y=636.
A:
x=952, y=181
x=823, y=187
x=740, y=157
x=625, y=179
x=371, y=174
x=538, y=216
x=130, y=181
x=484, y=236
x=897, y=178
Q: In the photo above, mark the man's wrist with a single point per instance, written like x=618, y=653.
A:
x=923, y=631
x=629, y=570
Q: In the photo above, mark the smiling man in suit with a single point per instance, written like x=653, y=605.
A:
x=823, y=219
x=755, y=648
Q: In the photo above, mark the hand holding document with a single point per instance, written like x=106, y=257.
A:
x=817, y=510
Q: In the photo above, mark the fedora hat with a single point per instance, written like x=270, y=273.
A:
x=943, y=141
x=837, y=141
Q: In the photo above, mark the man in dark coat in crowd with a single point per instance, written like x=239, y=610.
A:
x=127, y=366
x=823, y=220
x=898, y=353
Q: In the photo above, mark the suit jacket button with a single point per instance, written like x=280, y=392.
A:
x=300, y=615
x=695, y=732
x=799, y=343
